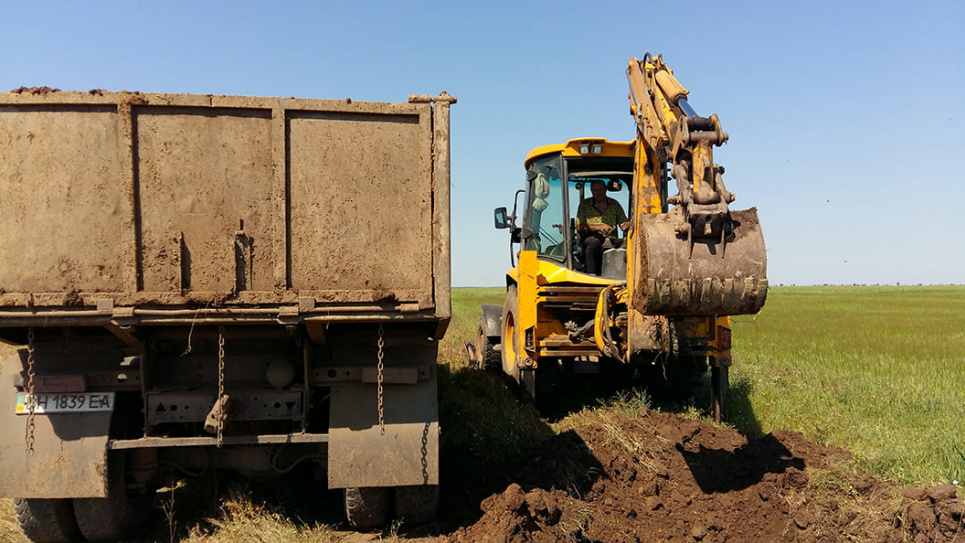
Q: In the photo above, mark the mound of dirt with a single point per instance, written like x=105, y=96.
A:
x=34, y=90
x=659, y=477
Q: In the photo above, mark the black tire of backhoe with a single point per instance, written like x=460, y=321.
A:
x=490, y=358
x=47, y=520
x=117, y=516
x=367, y=508
x=509, y=315
x=719, y=391
x=521, y=381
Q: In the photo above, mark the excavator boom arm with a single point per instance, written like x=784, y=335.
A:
x=697, y=258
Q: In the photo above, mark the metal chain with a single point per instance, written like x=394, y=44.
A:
x=31, y=399
x=222, y=413
x=381, y=377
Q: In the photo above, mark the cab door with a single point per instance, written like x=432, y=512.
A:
x=545, y=222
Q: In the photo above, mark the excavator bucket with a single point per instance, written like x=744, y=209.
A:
x=679, y=274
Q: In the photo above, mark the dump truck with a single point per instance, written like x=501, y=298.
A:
x=200, y=282
x=613, y=271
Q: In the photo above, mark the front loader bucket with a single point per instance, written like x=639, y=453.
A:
x=676, y=276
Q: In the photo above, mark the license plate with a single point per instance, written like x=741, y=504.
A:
x=85, y=402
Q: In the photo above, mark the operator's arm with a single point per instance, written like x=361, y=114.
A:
x=581, y=215
x=622, y=219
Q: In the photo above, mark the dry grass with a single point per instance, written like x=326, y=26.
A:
x=241, y=519
x=9, y=528
x=836, y=496
x=642, y=446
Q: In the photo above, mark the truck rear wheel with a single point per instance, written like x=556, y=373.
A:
x=416, y=505
x=47, y=521
x=367, y=508
x=118, y=515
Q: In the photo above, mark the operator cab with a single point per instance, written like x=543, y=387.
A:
x=559, y=178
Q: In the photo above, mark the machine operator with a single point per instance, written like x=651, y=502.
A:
x=597, y=220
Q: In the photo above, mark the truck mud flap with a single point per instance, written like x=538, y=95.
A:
x=407, y=454
x=69, y=458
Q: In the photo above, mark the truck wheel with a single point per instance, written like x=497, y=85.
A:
x=489, y=357
x=118, y=515
x=367, y=508
x=718, y=392
x=416, y=505
x=47, y=521
x=511, y=352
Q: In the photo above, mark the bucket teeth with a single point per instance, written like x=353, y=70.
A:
x=682, y=275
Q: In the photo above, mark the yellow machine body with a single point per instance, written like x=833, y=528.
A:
x=687, y=262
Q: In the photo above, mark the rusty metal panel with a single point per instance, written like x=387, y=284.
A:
x=359, y=455
x=64, y=209
x=440, y=208
x=361, y=203
x=168, y=200
x=70, y=450
x=204, y=178
x=246, y=405
x=701, y=278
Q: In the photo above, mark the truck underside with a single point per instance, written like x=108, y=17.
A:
x=113, y=421
x=205, y=282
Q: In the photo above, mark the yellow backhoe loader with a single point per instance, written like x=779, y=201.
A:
x=654, y=285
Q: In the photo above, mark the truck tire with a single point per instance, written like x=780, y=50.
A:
x=367, y=508
x=416, y=505
x=118, y=515
x=47, y=521
x=489, y=357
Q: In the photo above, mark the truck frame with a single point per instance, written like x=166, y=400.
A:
x=219, y=282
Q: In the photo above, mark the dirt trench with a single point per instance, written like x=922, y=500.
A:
x=660, y=477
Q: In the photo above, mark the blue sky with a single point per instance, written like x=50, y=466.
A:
x=845, y=118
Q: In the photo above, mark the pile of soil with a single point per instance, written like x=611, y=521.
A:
x=658, y=477
x=34, y=90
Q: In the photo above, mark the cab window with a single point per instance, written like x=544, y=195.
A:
x=618, y=188
x=545, y=214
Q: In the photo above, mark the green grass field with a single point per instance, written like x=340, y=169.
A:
x=879, y=371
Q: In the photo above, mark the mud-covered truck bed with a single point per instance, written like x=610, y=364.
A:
x=207, y=282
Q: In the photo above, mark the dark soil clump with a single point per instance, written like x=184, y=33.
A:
x=660, y=477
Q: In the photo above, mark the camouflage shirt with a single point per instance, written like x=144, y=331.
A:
x=613, y=215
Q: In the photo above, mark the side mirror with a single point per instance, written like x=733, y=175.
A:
x=614, y=185
x=500, y=218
